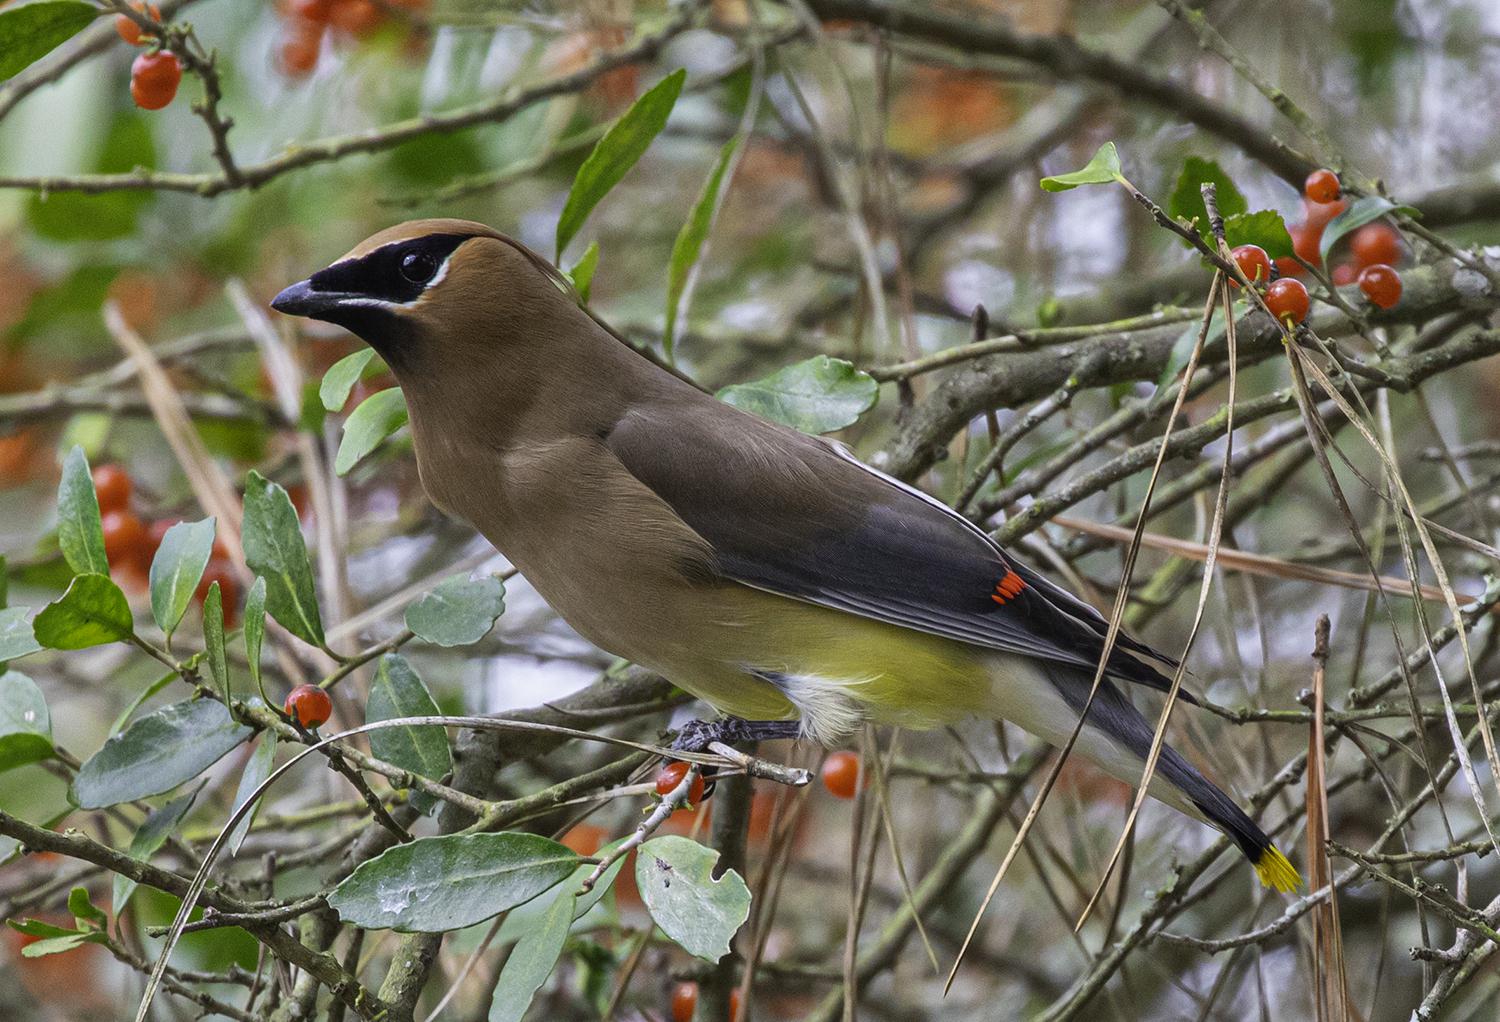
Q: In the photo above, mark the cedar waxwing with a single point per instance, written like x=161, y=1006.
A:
x=767, y=572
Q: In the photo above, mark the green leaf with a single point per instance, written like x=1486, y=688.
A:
x=689, y=243
x=151, y=835
x=91, y=613
x=31, y=31
x=25, y=725
x=819, y=395
x=615, y=153
x=1366, y=209
x=262, y=762
x=75, y=216
x=582, y=273
x=275, y=550
x=1102, y=169
x=157, y=753
x=78, y=531
x=443, y=883
x=531, y=961
x=458, y=611
x=341, y=378
x=398, y=691
x=1187, y=203
x=66, y=942
x=675, y=877
x=213, y=638
x=377, y=417
x=255, y=630
x=177, y=569
x=1263, y=227
x=524, y=918
x=84, y=910
x=16, y=636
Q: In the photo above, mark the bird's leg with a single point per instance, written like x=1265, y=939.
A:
x=697, y=735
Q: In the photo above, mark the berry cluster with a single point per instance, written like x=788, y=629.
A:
x=1371, y=254
x=307, y=22
x=155, y=74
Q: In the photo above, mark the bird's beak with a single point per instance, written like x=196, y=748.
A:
x=302, y=299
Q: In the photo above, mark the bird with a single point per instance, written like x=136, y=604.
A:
x=770, y=573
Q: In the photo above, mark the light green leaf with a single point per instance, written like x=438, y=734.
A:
x=91, y=613
x=1187, y=203
x=84, y=910
x=1102, y=169
x=255, y=630
x=31, y=31
x=177, y=569
x=675, y=877
x=615, y=153
x=16, y=636
x=582, y=273
x=1363, y=210
x=819, y=395
x=213, y=638
x=1264, y=228
x=157, y=753
x=397, y=691
x=66, y=942
x=689, y=243
x=25, y=725
x=377, y=417
x=275, y=550
x=79, y=533
x=531, y=961
x=341, y=378
x=262, y=761
x=151, y=835
x=458, y=611
x=443, y=883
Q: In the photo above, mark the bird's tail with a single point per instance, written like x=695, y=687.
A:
x=1113, y=715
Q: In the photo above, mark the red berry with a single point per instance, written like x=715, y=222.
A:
x=1253, y=263
x=297, y=53
x=1317, y=214
x=684, y=1001
x=309, y=705
x=1375, y=243
x=222, y=572
x=1343, y=274
x=112, y=486
x=154, y=78
x=124, y=538
x=1305, y=241
x=1381, y=285
x=1321, y=186
x=1287, y=299
x=841, y=774
x=316, y=11
x=671, y=776
x=128, y=29
x=357, y=17
x=734, y=1005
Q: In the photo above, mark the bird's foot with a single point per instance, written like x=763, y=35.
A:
x=698, y=735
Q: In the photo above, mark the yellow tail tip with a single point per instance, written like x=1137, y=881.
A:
x=1275, y=871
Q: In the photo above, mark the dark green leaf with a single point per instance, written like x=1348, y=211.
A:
x=31, y=31
x=1264, y=228
x=78, y=531
x=377, y=417
x=397, y=691
x=262, y=761
x=1102, y=169
x=25, y=725
x=275, y=550
x=616, y=153
x=157, y=753
x=16, y=637
x=255, y=630
x=582, y=273
x=1186, y=202
x=213, y=638
x=443, y=883
x=84, y=910
x=819, y=395
x=151, y=835
x=689, y=243
x=341, y=378
x=458, y=611
x=1361, y=211
x=531, y=961
x=675, y=877
x=177, y=569
x=92, y=612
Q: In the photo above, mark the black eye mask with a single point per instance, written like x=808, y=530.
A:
x=394, y=273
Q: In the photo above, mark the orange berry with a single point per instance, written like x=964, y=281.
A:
x=841, y=774
x=1253, y=263
x=154, y=78
x=124, y=537
x=1381, y=285
x=309, y=705
x=684, y=1001
x=1317, y=214
x=1287, y=299
x=1305, y=241
x=316, y=11
x=297, y=53
x=112, y=486
x=734, y=1005
x=131, y=32
x=222, y=572
x=1321, y=186
x=671, y=776
x=357, y=17
x=1375, y=244
x=584, y=838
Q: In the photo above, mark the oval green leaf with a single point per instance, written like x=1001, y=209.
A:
x=262, y=761
x=31, y=31
x=177, y=569
x=91, y=613
x=1102, y=169
x=213, y=638
x=531, y=961
x=377, y=417
x=1187, y=203
x=675, y=877
x=582, y=273
x=458, y=611
x=1363, y=210
x=341, y=378
x=157, y=753
x=274, y=549
x=79, y=533
x=25, y=725
x=16, y=636
x=151, y=835
x=819, y=395
x=255, y=630
x=443, y=883
x=690, y=239
x=398, y=691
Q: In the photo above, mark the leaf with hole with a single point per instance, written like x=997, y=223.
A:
x=702, y=914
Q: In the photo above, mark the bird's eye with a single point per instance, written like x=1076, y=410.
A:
x=418, y=267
